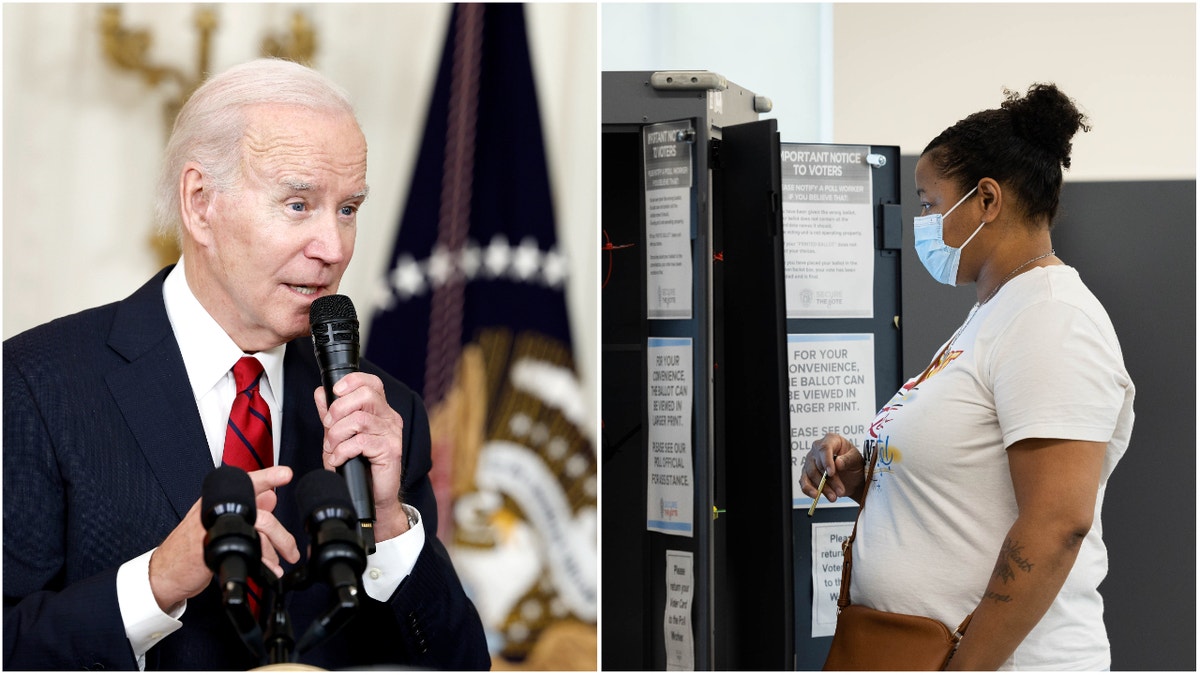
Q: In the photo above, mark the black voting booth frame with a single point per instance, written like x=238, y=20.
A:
x=752, y=574
x=742, y=602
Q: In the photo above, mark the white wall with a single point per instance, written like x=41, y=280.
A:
x=900, y=73
x=82, y=140
x=776, y=50
x=905, y=72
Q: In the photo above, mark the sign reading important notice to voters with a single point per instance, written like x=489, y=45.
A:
x=668, y=157
x=831, y=389
x=828, y=231
x=669, y=463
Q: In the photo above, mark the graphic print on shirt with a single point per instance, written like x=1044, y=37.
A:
x=887, y=455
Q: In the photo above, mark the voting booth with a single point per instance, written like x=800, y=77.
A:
x=842, y=229
x=750, y=302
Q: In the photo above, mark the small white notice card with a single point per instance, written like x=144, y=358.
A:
x=827, y=541
x=677, y=620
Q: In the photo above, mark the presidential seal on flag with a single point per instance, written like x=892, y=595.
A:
x=472, y=311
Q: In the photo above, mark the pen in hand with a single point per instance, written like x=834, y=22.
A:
x=820, y=487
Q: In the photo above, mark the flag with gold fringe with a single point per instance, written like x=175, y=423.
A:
x=472, y=313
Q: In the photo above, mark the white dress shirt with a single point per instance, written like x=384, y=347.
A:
x=209, y=354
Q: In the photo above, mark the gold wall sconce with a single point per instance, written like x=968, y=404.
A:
x=127, y=49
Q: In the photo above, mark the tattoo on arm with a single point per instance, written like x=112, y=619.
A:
x=992, y=595
x=1011, y=559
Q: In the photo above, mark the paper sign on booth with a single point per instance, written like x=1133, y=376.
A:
x=828, y=231
x=669, y=462
x=827, y=541
x=677, y=619
x=831, y=389
x=668, y=159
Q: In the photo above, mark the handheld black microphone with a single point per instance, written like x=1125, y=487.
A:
x=335, y=553
x=335, y=339
x=231, y=546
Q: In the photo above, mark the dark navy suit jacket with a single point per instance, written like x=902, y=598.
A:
x=104, y=453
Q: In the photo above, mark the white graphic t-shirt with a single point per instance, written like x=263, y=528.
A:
x=1040, y=360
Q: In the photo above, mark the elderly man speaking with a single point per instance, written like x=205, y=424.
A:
x=114, y=416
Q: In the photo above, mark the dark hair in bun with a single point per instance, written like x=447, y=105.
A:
x=1024, y=144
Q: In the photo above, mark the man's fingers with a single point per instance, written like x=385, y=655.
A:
x=357, y=380
x=270, y=478
x=319, y=399
x=270, y=557
x=278, y=541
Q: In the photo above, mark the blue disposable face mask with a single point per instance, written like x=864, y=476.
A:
x=941, y=260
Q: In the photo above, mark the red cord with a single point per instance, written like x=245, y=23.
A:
x=610, y=247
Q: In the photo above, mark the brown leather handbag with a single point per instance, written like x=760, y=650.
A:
x=868, y=639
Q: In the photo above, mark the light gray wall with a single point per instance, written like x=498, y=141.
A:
x=903, y=72
x=898, y=73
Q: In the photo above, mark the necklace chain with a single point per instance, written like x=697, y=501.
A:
x=1014, y=273
x=991, y=295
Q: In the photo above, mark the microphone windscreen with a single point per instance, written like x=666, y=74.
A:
x=323, y=490
x=331, y=308
x=226, y=490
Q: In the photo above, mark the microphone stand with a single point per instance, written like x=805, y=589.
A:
x=235, y=599
x=345, y=606
x=278, y=645
x=333, y=620
x=279, y=640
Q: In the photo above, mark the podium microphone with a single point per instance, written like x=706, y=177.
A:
x=231, y=545
x=335, y=339
x=335, y=555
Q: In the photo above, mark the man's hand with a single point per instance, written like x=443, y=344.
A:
x=360, y=422
x=177, y=569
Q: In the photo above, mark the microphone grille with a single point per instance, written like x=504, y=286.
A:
x=331, y=308
x=325, y=492
x=227, y=490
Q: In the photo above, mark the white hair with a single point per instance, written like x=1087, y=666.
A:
x=212, y=123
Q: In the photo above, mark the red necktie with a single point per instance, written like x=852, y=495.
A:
x=248, y=442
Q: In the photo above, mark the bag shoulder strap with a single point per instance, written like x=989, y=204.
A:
x=848, y=545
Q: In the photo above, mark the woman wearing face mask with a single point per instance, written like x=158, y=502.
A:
x=991, y=464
